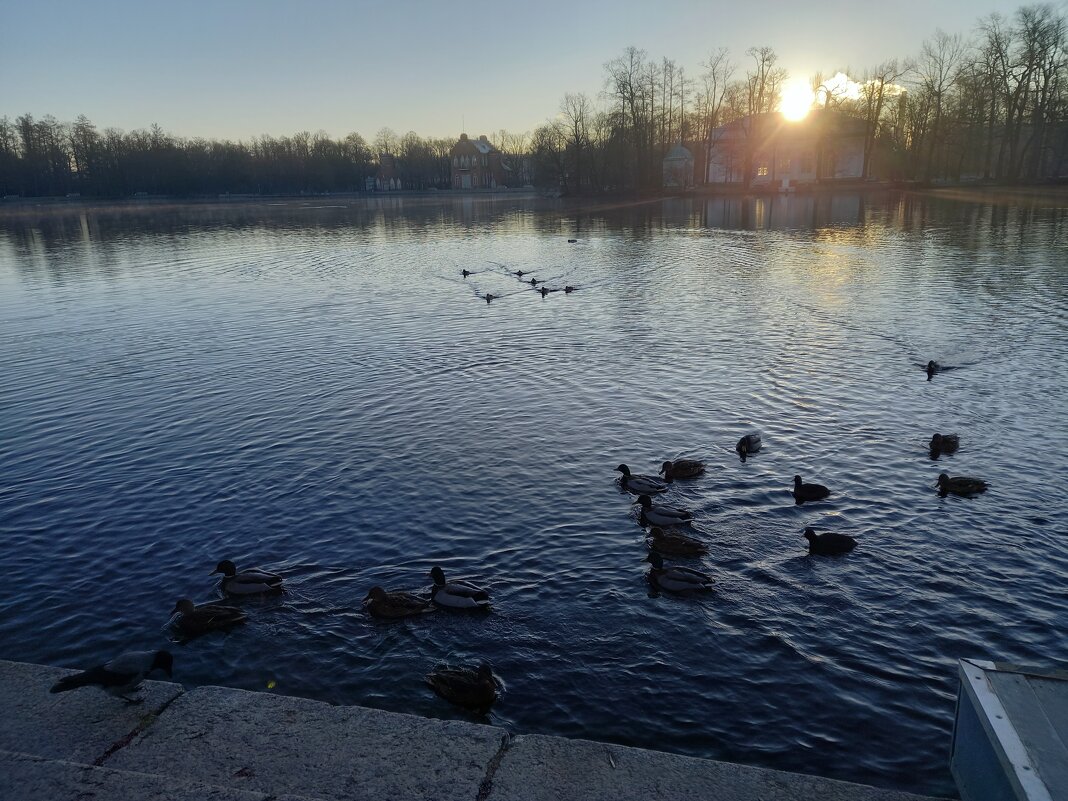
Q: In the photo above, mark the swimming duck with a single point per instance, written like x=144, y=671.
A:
x=808, y=492
x=643, y=485
x=572, y=241
x=944, y=443
x=675, y=542
x=676, y=578
x=662, y=515
x=394, y=605
x=121, y=676
x=191, y=619
x=472, y=688
x=520, y=273
x=489, y=297
x=748, y=444
x=457, y=594
x=828, y=543
x=960, y=485
x=569, y=289
x=534, y=282
x=544, y=291
x=465, y=273
x=932, y=368
x=683, y=468
x=252, y=581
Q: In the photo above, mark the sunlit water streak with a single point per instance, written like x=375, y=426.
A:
x=314, y=387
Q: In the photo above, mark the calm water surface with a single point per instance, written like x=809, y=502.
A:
x=314, y=388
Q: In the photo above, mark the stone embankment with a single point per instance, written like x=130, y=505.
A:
x=218, y=744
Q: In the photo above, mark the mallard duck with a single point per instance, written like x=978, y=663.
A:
x=808, y=492
x=641, y=484
x=534, y=282
x=675, y=542
x=191, y=619
x=960, y=485
x=828, y=543
x=472, y=688
x=121, y=676
x=662, y=515
x=489, y=297
x=676, y=578
x=251, y=581
x=932, y=368
x=748, y=444
x=569, y=289
x=393, y=605
x=683, y=468
x=457, y=594
x=544, y=291
x=944, y=443
x=520, y=273
x=465, y=273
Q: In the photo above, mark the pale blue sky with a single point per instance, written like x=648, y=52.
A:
x=239, y=68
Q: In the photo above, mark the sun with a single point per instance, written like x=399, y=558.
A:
x=797, y=99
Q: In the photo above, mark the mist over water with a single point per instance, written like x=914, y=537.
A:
x=313, y=387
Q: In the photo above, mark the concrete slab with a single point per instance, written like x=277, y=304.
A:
x=31, y=778
x=277, y=744
x=77, y=726
x=539, y=768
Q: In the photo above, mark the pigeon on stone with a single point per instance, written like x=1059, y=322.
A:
x=121, y=676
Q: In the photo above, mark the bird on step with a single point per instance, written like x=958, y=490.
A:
x=662, y=515
x=828, y=543
x=748, y=444
x=675, y=578
x=960, y=485
x=683, y=468
x=641, y=484
x=808, y=492
x=394, y=605
x=121, y=676
x=190, y=619
x=472, y=688
x=457, y=594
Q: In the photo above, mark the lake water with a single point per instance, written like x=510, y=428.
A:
x=313, y=387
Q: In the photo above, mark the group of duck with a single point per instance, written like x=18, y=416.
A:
x=666, y=536
x=543, y=290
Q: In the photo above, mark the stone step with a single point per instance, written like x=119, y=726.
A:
x=278, y=744
x=33, y=778
x=540, y=768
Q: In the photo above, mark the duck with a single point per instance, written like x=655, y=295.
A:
x=394, y=605
x=251, y=581
x=675, y=578
x=960, y=485
x=489, y=297
x=683, y=468
x=190, y=619
x=643, y=485
x=662, y=515
x=534, y=282
x=932, y=368
x=675, y=543
x=119, y=676
x=520, y=273
x=473, y=688
x=456, y=594
x=748, y=444
x=944, y=443
x=544, y=291
x=828, y=543
x=569, y=289
x=465, y=273
x=808, y=492
x=572, y=241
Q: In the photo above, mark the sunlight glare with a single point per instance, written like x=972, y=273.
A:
x=797, y=99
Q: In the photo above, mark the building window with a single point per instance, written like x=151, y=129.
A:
x=762, y=169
